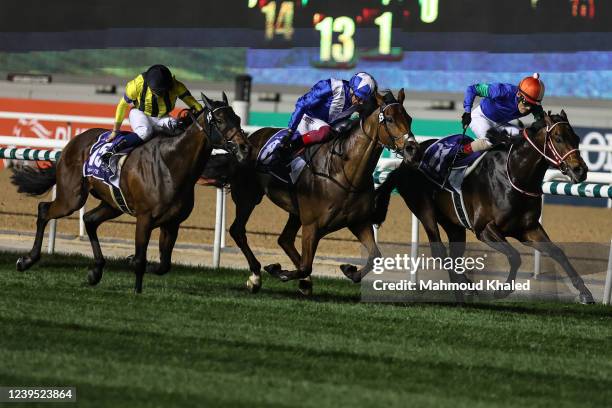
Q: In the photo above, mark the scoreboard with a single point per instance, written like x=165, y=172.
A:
x=340, y=28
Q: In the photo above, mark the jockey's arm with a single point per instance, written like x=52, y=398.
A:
x=185, y=96
x=472, y=91
x=129, y=97
x=318, y=93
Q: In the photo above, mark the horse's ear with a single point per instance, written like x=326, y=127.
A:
x=206, y=101
x=547, y=119
x=401, y=96
x=225, y=98
x=564, y=115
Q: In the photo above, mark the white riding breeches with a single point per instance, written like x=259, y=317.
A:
x=144, y=126
x=309, y=124
x=481, y=124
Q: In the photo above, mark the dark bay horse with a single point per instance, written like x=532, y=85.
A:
x=335, y=190
x=157, y=180
x=503, y=198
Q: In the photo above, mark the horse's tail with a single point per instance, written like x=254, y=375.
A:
x=219, y=169
x=383, y=196
x=33, y=181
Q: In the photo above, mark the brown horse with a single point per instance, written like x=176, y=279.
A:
x=157, y=180
x=503, y=198
x=335, y=190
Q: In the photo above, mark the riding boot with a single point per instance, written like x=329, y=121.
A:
x=127, y=140
x=287, y=150
x=122, y=144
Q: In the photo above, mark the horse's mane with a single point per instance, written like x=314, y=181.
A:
x=368, y=107
x=540, y=124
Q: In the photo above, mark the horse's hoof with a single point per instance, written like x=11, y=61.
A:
x=586, y=298
x=305, y=287
x=24, y=263
x=94, y=277
x=156, y=269
x=501, y=294
x=273, y=269
x=283, y=276
x=470, y=293
x=253, y=284
x=350, y=271
x=21, y=264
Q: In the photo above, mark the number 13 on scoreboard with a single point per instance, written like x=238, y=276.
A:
x=344, y=50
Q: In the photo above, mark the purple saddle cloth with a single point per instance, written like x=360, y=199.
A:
x=94, y=167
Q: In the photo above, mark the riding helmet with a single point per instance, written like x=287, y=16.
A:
x=363, y=85
x=532, y=89
x=159, y=78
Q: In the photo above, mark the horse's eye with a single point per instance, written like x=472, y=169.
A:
x=558, y=139
x=389, y=120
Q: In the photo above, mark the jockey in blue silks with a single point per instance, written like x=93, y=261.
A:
x=500, y=104
x=328, y=101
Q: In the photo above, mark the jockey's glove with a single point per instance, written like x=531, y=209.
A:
x=466, y=119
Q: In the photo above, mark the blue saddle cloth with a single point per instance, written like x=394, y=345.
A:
x=269, y=160
x=94, y=167
x=438, y=159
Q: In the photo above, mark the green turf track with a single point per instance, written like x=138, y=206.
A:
x=196, y=338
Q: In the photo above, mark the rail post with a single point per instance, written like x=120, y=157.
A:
x=414, y=246
x=608, y=286
x=218, y=223
x=53, y=227
x=223, y=215
x=242, y=97
x=537, y=255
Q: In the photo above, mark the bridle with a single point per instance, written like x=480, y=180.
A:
x=555, y=158
x=383, y=119
x=217, y=138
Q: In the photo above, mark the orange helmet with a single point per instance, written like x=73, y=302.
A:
x=532, y=89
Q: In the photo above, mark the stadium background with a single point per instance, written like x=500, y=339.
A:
x=433, y=48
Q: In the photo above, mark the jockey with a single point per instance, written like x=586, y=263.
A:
x=500, y=104
x=328, y=101
x=152, y=95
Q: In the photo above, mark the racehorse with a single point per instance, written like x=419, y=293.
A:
x=157, y=179
x=335, y=189
x=503, y=198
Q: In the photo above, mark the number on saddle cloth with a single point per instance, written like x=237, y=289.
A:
x=438, y=158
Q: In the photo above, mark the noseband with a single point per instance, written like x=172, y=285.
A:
x=216, y=136
x=382, y=119
x=556, y=159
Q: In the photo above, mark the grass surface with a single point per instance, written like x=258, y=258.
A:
x=195, y=337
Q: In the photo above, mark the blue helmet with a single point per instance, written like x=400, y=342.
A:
x=363, y=85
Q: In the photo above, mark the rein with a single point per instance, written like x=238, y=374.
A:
x=213, y=128
x=375, y=139
x=382, y=119
x=556, y=160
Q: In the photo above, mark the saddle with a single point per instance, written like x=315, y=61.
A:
x=269, y=160
x=437, y=162
x=111, y=174
x=437, y=165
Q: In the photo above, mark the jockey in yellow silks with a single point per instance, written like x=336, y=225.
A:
x=152, y=96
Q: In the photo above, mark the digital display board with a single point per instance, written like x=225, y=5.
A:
x=425, y=45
